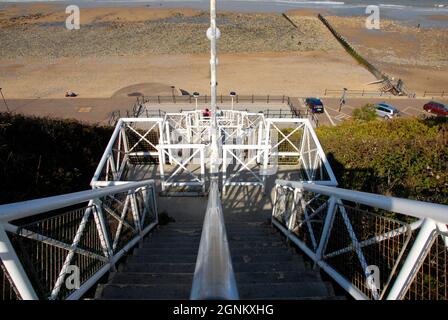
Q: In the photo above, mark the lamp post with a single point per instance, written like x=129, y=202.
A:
x=342, y=101
x=196, y=96
x=232, y=95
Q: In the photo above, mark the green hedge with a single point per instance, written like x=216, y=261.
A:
x=402, y=157
x=42, y=157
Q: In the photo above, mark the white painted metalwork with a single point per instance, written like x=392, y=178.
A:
x=214, y=277
x=101, y=211
x=301, y=219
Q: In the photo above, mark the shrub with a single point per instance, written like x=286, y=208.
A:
x=365, y=113
x=405, y=158
x=42, y=157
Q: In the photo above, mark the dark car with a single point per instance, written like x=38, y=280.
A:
x=437, y=108
x=315, y=105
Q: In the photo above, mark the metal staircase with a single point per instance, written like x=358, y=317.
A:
x=265, y=266
x=374, y=247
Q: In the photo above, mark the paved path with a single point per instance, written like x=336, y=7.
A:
x=99, y=110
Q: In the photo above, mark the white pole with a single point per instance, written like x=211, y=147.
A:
x=213, y=58
x=213, y=34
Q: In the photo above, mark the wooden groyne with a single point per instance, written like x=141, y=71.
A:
x=395, y=88
x=353, y=52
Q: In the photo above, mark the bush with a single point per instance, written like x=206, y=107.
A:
x=41, y=157
x=405, y=158
x=365, y=113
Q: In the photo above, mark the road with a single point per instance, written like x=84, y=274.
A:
x=407, y=107
x=99, y=110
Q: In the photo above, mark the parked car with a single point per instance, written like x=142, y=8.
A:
x=315, y=105
x=437, y=108
x=386, y=111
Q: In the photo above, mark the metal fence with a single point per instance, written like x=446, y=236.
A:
x=358, y=93
x=375, y=247
x=435, y=94
x=206, y=99
x=59, y=247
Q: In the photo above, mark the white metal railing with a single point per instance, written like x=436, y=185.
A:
x=375, y=247
x=214, y=278
x=115, y=161
x=59, y=247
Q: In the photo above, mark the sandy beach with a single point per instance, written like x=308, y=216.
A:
x=119, y=49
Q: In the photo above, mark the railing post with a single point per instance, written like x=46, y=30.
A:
x=326, y=229
x=416, y=255
x=135, y=213
x=158, y=99
x=14, y=268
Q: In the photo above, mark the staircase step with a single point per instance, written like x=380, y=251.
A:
x=173, y=239
x=152, y=243
x=262, y=258
x=159, y=267
x=242, y=258
x=238, y=238
x=163, y=258
x=265, y=243
x=192, y=233
x=276, y=277
x=234, y=251
x=297, y=266
x=269, y=243
x=296, y=290
x=146, y=291
x=152, y=278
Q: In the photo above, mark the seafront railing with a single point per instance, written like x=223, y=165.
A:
x=59, y=247
x=206, y=99
x=373, y=246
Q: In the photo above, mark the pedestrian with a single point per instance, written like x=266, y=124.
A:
x=206, y=113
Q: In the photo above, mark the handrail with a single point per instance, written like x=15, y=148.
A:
x=214, y=278
x=28, y=208
x=92, y=233
x=414, y=208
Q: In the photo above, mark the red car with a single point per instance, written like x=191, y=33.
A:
x=437, y=108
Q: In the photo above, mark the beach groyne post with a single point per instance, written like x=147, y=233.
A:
x=380, y=75
x=352, y=51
